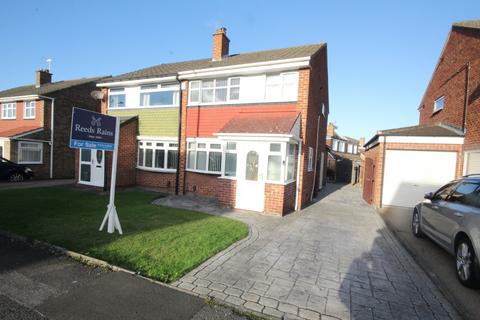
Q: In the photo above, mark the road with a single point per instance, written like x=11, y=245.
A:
x=37, y=285
x=436, y=262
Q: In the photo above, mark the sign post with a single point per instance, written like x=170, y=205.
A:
x=92, y=130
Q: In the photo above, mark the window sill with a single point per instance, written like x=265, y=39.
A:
x=204, y=172
x=157, y=170
x=138, y=108
x=30, y=162
x=29, y=118
x=9, y=118
x=284, y=183
x=435, y=112
x=227, y=178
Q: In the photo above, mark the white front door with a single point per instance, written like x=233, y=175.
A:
x=92, y=167
x=250, y=174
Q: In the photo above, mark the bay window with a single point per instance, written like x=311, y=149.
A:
x=157, y=155
x=290, y=167
x=30, y=152
x=205, y=157
x=274, y=169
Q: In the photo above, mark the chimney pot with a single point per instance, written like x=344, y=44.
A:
x=221, y=44
x=42, y=77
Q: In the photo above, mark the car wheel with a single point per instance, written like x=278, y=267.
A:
x=467, y=263
x=16, y=177
x=416, y=227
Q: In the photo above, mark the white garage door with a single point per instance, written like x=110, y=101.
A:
x=410, y=174
x=473, y=163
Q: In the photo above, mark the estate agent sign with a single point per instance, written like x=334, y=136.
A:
x=92, y=130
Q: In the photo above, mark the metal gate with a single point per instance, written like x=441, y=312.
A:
x=369, y=180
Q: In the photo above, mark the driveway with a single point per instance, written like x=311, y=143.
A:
x=439, y=264
x=334, y=259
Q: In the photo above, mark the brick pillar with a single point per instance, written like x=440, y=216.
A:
x=302, y=107
x=182, y=148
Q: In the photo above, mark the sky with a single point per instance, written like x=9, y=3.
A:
x=381, y=54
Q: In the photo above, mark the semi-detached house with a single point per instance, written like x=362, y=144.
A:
x=35, y=123
x=248, y=129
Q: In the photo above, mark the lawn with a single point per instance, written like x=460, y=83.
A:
x=159, y=242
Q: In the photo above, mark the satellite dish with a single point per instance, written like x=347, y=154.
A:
x=97, y=95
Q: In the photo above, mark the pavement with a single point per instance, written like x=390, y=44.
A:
x=334, y=260
x=36, y=284
x=4, y=185
x=438, y=263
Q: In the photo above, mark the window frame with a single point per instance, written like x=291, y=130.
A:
x=19, y=150
x=276, y=153
x=117, y=92
x=28, y=105
x=166, y=147
x=8, y=106
x=208, y=149
x=435, y=108
x=200, y=89
x=283, y=96
x=169, y=87
x=310, y=159
x=224, y=160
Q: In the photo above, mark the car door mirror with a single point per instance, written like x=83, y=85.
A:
x=429, y=195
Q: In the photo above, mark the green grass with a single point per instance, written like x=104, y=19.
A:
x=159, y=242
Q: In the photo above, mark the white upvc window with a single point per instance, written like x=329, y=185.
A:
x=163, y=95
x=283, y=86
x=334, y=145
x=116, y=98
x=274, y=168
x=439, y=104
x=310, y=159
x=9, y=110
x=204, y=156
x=29, y=110
x=341, y=146
x=214, y=91
x=230, y=159
x=290, y=162
x=157, y=155
x=30, y=152
x=350, y=148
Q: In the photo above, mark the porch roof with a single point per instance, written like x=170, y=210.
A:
x=9, y=133
x=261, y=123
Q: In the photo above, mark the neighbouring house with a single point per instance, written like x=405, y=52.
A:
x=404, y=163
x=248, y=129
x=343, y=161
x=35, y=123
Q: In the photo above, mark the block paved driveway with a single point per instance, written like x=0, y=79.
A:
x=335, y=259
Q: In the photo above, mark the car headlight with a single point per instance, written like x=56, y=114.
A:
x=28, y=170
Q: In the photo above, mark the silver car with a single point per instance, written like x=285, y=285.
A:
x=451, y=218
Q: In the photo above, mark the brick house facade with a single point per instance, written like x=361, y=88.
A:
x=248, y=129
x=446, y=143
x=29, y=129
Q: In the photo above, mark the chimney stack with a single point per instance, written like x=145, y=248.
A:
x=42, y=77
x=331, y=129
x=220, y=44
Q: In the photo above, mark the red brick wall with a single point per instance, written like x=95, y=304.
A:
x=279, y=199
x=227, y=192
x=205, y=121
x=202, y=184
x=7, y=124
x=151, y=179
x=449, y=80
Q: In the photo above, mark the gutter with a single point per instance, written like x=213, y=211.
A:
x=467, y=78
x=52, y=131
x=177, y=173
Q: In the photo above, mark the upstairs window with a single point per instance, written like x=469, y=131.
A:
x=215, y=90
x=9, y=110
x=165, y=95
x=439, y=103
x=116, y=98
x=29, y=110
x=334, y=145
x=283, y=86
